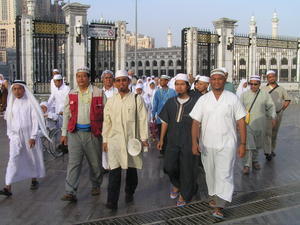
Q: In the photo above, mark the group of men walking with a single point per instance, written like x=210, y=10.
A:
x=100, y=125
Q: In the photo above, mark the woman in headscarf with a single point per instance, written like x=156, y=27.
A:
x=243, y=87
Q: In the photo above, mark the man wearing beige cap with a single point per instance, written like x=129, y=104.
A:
x=217, y=114
x=281, y=100
x=125, y=118
x=81, y=131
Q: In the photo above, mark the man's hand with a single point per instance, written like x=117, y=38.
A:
x=160, y=145
x=273, y=123
x=196, y=149
x=31, y=143
x=104, y=147
x=242, y=150
x=64, y=140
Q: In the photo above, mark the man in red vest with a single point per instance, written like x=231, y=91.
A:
x=81, y=131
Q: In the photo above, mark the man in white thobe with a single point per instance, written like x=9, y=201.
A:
x=121, y=113
x=58, y=97
x=107, y=78
x=217, y=113
x=52, y=85
x=24, y=117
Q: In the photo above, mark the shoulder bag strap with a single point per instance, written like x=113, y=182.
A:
x=254, y=100
x=136, y=116
x=273, y=89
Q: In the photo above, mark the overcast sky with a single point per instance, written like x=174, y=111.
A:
x=156, y=16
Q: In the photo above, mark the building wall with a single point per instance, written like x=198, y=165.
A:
x=142, y=41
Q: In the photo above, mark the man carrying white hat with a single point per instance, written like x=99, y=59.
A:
x=217, y=114
x=179, y=161
x=125, y=118
x=281, y=100
x=81, y=131
x=160, y=98
x=259, y=106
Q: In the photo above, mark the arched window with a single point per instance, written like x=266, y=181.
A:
x=170, y=63
x=132, y=64
x=262, y=61
x=126, y=64
x=273, y=61
x=162, y=63
x=178, y=63
x=242, y=62
x=147, y=63
x=295, y=61
x=284, y=61
x=154, y=63
x=140, y=63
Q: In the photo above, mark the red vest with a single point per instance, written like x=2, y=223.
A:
x=96, y=114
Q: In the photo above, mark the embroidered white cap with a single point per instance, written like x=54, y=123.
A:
x=57, y=77
x=182, y=76
x=217, y=72
x=270, y=72
x=204, y=79
x=255, y=77
x=121, y=73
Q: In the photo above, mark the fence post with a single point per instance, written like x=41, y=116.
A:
x=76, y=49
x=298, y=62
x=121, y=45
x=191, y=51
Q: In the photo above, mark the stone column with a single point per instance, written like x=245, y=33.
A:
x=225, y=29
x=298, y=63
x=191, y=52
x=76, y=16
x=252, y=55
x=27, y=28
x=121, y=45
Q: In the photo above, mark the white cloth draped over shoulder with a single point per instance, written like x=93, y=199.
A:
x=24, y=117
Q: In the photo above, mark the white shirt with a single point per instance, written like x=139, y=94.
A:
x=218, y=119
x=58, y=97
x=110, y=92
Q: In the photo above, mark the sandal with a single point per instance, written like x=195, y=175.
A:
x=5, y=192
x=246, y=170
x=256, y=165
x=218, y=214
x=174, y=194
x=181, y=203
x=34, y=185
x=69, y=198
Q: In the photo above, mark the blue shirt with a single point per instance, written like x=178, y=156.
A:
x=160, y=98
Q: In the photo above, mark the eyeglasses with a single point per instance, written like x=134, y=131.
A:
x=254, y=84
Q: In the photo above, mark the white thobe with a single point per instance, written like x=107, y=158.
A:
x=218, y=141
x=24, y=162
x=110, y=92
x=57, y=100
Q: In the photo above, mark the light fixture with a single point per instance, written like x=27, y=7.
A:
x=79, y=31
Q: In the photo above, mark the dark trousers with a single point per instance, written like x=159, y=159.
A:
x=180, y=165
x=163, y=149
x=114, y=183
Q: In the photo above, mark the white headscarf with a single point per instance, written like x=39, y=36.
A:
x=32, y=100
x=240, y=90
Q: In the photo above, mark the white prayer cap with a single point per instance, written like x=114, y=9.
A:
x=182, y=76
x=255, y=77
x=57, y=77
x=152, y=76
x=197, y=77
x=224, y=69
x=121, y=73
x=152, y=82
x=139, y=85
x=44, y=104
x=166, y=77
x=217, y=71
x=204, y=79
x=83, y=69
x=107, y=71
x=55, y=71
x=270, y=72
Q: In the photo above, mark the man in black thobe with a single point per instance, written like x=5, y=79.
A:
x=179, y=162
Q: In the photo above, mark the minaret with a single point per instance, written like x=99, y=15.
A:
x=275, y=21
x=169, y=39
x=252, y=26
x=30, y=7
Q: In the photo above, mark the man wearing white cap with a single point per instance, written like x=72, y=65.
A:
x=179, y=161
x=81, y=131
x=160, y=98
x=52, y=85
x=125, y=118
x=281, y=100
x=201, y=85
x=24, y=117
x=216, y=114
x=58, y=97
x=228, y=85
x=259, y=105
x=107, y=78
